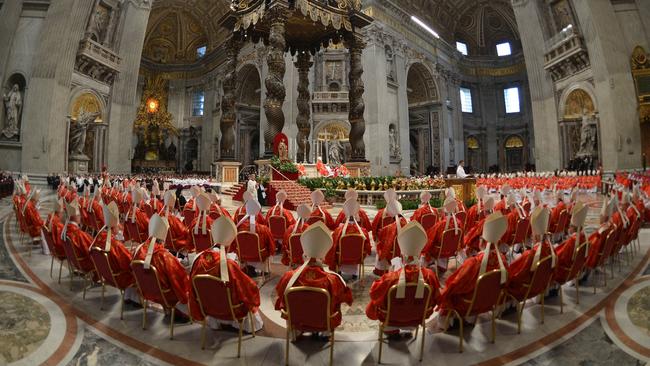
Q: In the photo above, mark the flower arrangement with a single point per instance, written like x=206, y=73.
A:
x=374, y=183
x=285, y=166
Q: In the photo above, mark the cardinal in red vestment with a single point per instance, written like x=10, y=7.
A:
x=350, y=227
x=279, y=210
x=432, y=250
x=555, y=213
x=381, y=218
x=411, y=239
x=568, y=249
x=502, y=205
x=425, y=210
x=79, y=239
x=362, y=217
x=472, y=239
x=317, y=198
x=250, y=224
x=245, y=294
x=476, y=213
x=33, y=221
x=54, y=224
x=137, y=216
x=597, y=238
x=387, y=247
x=289, y=257
x=118, y=256
x=316, y=242
x=202, y=222
x=240, y=213
x=216, y=210
x=178, y=234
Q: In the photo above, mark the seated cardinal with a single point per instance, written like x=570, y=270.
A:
x=79, y=239
x=279, y=210
x=245, y=294
x=316, y=242
x=597, y=238
x=317, y=212
x=349, y=227
x=381, y=219
x=200, y=225
x=118, y=256
x=288, y=256
x=387, y=247
x=472, y=239
x=568, y=249
x=216, y=210
x=555, y=212
x=431, y=251
x=266, y=244
x=178, y=233
x=411, y=239
x=476, y=213
x=137, y=216
x=240, y=213
x=362, y=217
x=54, y=223
x=33, y=221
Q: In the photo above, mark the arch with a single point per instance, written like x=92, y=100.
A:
x=249, y=85
x=514, y=152
x=333, y=130
x=420, y=84
x=89, y=100
x=579, y=92
x=514, y=142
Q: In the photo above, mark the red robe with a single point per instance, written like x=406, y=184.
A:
x=387, y=240
x=81, y=242
x=363, y=220
x=380, y=288
x=120, y=259
x=474, y=215
x=243, y=290
x=555, y=216
x=171, y=274
x=99, y=213
x=520, y=272
x=332, y=257
x=178, y=231
x=315, y=276
x=378, y=222
x=217, y=211
x=564, y=253
x=596, y=242
x=277, y=211
x=325, y=216
x=513, y=219
x=83, y=211
x=472, y=239
x=265, y=237
x=501, y=206
x=33, y=220
x=434, y=237
x=19, y=201
x=141, y=221
x=192, y=233
x=424, y=210
x=240, y=212
x=460, y=284
x=55, y=226
x=297, y=257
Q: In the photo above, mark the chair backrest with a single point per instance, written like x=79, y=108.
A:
x=188, y=216
x=248, y=247
x=239, y=217
x=408, y=311
x=351, y=249
x=201, y=241
x=92, y=220
x=522, y=230
x=103, y=265
x=429, y=220
x=308, y=308
x=579, y=262
x=278, y=226
x=450, y=243
x=149, y=284
x=487, y=293
x=170, y=241
x=49, y=240
x=132, y=229
x=611, y=241
x=295, y=250
x=541, y=278
x=214, y=297
x=563, y=222
x=71, y=254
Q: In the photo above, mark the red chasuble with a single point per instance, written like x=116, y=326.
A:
x=434, y=236
x=564, y=253
x=332, y=257
x=171, y=273
x=265, y=237
x=178, y=231
x=297, y=257
x=520, y=271
x=364, y=221
x=33, y=220
x=81, y=242
x=387, y=247
x=119, y=257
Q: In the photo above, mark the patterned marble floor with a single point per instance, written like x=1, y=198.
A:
x=43, y=322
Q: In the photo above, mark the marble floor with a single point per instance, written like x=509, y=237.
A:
x=44, y=322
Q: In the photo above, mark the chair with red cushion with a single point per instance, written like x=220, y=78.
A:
x=295, y=250
x=249, y=249
x=448, y=246
x=573, y=271
x=562, y=223
x=351, y=251
x=133, y=232
x=486, y=297
x=148, y=283
x=278, y=226
x=215, y=299
x=76, y=264
x=429, y=220
x=55, y=252
x=611, y=236
x=201, y=242
x=308, y=309
x=539, y=283
x=407, y=312
x=109, y=277
x=522, y=232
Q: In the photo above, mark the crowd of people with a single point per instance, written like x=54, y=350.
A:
x=6, y=184
x=524, y=225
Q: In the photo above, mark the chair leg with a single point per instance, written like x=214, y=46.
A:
x=171, y=324
x=286, y=351
x=101, y=307
x=85, y=286
x=241, y=325
x=494, y=326
x=332, y=348
x=520, y=310
x=561, y=301
x=424, y=334
x=144, y=314
x=461, y=338
x=250, y=319
x=542, y=303
x=380, y=338
x=51, y=266
x=60, y=268
x=71, y=274
x=203, y=330
x=122, y=306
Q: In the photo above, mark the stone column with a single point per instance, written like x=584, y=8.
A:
x=10, y=15
x=274, y=82
x=228, y=114
x=124, y=99
x=357, y=107
x=304, y=107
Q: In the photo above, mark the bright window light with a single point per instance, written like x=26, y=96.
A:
x=503, y=49
x=200, y=52
x=511, y=96
x=198, y=103
x=462, y=48
x=426, y=27
x=466, y=100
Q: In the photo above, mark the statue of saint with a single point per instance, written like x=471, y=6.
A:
x=587, y=136
x=13, y=107
x=393, y=140
x=283, y=151
x=335, y=153
x=78, y=132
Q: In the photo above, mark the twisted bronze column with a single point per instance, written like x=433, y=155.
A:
x=228, y=114
x=275, y=91
x=304, y=110
x=357, y=107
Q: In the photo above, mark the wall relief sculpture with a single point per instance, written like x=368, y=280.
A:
x=394, y=148
x=588, y=136
x=13, y=103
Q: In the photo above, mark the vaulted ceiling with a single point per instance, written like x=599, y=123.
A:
x=479, y=23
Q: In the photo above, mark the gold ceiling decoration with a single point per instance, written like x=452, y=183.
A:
x=577, y=103
x=153, y=123
x=334, y=131
x=472, y=143
x=86, y=103
x=641, y=75
x=514, y=142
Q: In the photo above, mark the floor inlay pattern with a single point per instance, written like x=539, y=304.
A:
x=24, y=325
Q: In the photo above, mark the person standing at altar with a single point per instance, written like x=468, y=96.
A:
x=434, y=234
x=316, y=242
x=425, y=207
x=33, y=221
x=279, y=210
x=298, y=227
x=108, y=241
x=223, y=265
x=317, y=198
x=251, y=186
x=350, y=227
x=362, y=217
x=411, y=240
x=387, y=247
x=460, y=170
x=180, y=235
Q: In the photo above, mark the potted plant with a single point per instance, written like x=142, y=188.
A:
x=284, y=170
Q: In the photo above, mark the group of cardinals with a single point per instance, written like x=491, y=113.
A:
x=507, y=230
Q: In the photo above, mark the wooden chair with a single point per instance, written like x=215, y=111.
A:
x=249, y=249
x=215, y=299
x=55, y=252
x=573, y=271
x=429, y=220
x=278, y=226
x=603, y=254
x=406, y=312
x=486, y=296
x=201, y=241
x=295, y=250
x=351, y=251
x=449, y=246
x=308, y=309
x=539, y=283
x=148, y=282
x=75, y=266
x=108, y=276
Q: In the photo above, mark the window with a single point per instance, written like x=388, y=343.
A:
x=198, y=102
x=511, y=96
x=466, y=100
x=200, y=52
x=461, y=47
x=503, y=49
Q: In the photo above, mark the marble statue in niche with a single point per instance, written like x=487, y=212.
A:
x=78, y=132
x=13, y=107
x=393, y=140
x=335, y=156
x=390, y=63
x=98, y=24
x=588, y=131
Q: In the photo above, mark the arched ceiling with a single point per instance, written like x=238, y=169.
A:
x=479, y=23
x=177, y=28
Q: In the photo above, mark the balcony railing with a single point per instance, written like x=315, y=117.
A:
x=99, y=53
